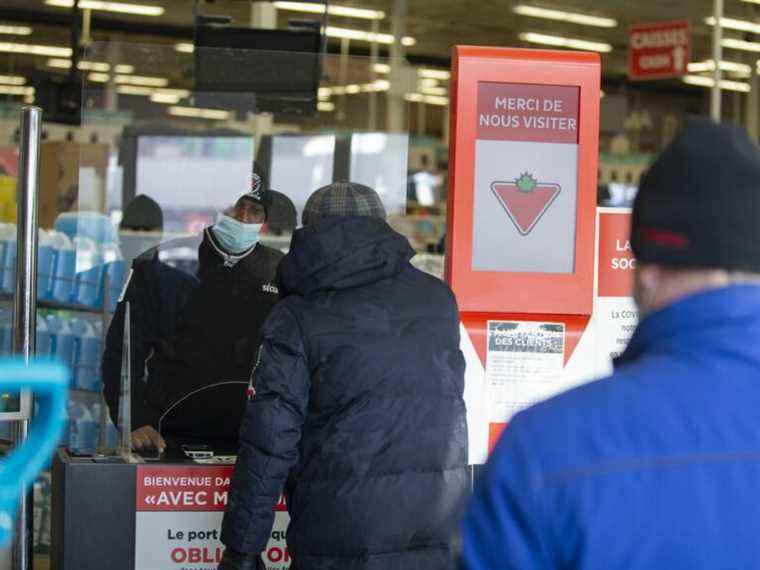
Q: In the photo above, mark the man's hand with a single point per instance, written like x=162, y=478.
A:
x=235, y=561
x=147, y=437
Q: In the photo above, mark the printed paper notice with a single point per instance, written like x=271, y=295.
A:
x=524, y=365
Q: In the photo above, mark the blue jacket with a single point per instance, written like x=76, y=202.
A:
x=358, y=409
x=657, y=467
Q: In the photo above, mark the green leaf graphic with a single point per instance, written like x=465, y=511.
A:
x=526, y=182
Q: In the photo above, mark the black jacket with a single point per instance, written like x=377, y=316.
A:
x=157, y=293
x=216, y=342
x=358, y=410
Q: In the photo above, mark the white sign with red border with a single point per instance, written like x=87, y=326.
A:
x=179, y=519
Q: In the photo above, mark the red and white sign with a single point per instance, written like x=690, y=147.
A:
x=179, y=519
x=659, y=50
x=615, y=314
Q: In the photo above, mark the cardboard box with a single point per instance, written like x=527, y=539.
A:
x=72, y=178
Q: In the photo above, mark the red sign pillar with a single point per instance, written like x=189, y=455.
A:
x=521, y=218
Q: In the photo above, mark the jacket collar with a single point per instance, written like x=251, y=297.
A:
x=703, y=316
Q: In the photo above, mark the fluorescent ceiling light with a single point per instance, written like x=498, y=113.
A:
x=141, y=80
x=98, y=77
x=16, y=90
x=703, y=81
x=199, y=113
x=408, y=41
x=12, y=80
x=709, y=65
x=347, y=11
x=135, y=90
x=561, y=15
x=364, y=36
x=90, y=66
x=571, y=43
x=439, y=91
x=121, y=7
x=15, y=30
x=381, y=68
x=441, y=74
x=326, y=106
x=428, y=99
x=353, y=89
x=34, y=49
x=381, y=85
x=734, y=24
x=184, y=47
x=743, y=45
x=428, y=82
x=324, y=93
x=168, y=98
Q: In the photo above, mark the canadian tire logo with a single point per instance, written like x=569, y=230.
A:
x=525, y=200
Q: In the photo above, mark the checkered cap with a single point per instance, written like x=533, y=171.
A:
x=343, y=199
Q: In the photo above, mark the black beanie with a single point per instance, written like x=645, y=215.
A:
x=699, y=204
x=142, y=213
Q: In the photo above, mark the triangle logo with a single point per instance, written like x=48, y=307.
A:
x=525, y=200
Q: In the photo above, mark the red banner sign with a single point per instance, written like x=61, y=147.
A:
x=658, y=51
x=616, y=260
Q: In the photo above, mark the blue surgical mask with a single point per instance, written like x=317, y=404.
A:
x=235, y=236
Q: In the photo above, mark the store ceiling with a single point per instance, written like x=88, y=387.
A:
x=435, y=24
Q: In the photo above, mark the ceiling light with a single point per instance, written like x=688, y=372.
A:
x=441, y=74
x=168, y=98
x=381, y=85
x=326, y=106
x=709, y=66
x=142, y=80
x=703, y=81
x=33, y=49
x=414, y=97
x=439, y=91
x=428, y=82
x=734, y=24
x=381, y=68
x=324, y=93
x=184, y=47
x=353, y=89
x=199, y=113
x=408, y=41
x=12, y=80
x=740, y=45
x=346, y=11
x=16, y=90
x=82, y=65
x=435, y=100
x=571, y=43
x=15, y=30
x=121, y=7
x=124, y=68
x=362, y=35
x=135, y=90
x=98, y=77
x=570, y=17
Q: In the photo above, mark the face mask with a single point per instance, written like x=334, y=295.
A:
x=235, y=236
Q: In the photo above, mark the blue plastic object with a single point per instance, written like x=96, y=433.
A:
x=45, y=266
x=49, y=382
x=86, y=354
x=92, y=225
x=64, y=268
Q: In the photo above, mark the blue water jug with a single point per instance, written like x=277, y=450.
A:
x=64, y=268
x=92, y=225
x=61, y=340
x=45, y=266
x=8, y=258
x=86, y=354
x=6, y=332
x=88, y=288
x=43, y=337
x=115, y=273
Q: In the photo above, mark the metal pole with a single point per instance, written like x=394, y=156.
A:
x=25, y=301
x=715, y=99
x=374, y=51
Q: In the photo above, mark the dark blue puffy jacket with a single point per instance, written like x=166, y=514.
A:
x=358, y=406
x=657, y=467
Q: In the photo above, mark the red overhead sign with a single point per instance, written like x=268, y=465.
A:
x=659, y=50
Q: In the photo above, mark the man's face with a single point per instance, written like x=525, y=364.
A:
x=248, y=212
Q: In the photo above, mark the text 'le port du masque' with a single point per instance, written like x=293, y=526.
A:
x=521, y=105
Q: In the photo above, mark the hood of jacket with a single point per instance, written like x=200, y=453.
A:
x=342, y=253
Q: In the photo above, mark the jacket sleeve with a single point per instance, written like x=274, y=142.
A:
x=137, y=294
x=505, y=526
x=270, y=433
